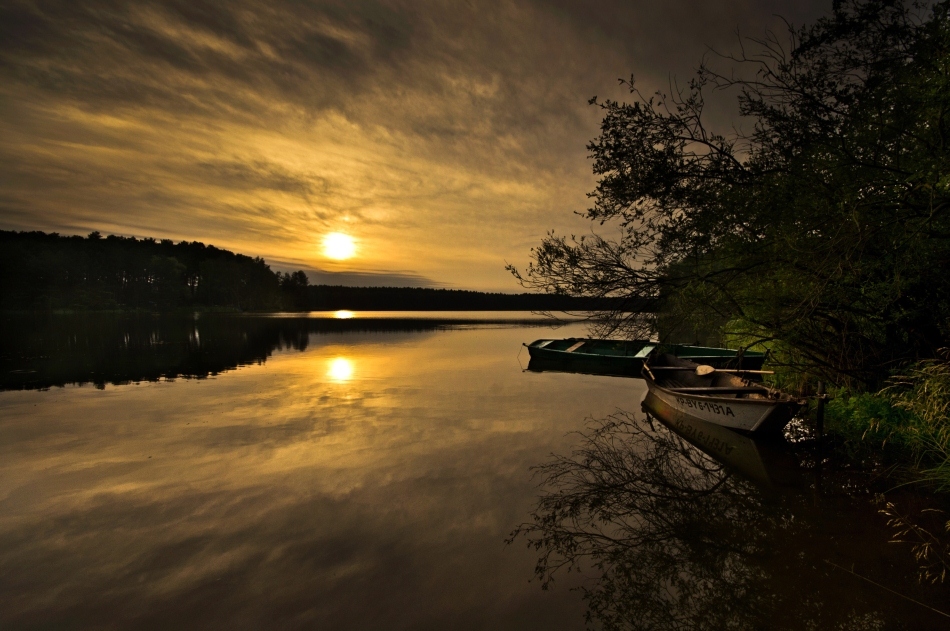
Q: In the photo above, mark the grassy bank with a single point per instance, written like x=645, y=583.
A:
x=907, y=421
x=906, y=425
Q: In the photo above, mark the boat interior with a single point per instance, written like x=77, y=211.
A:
x=680, y=375
x=720, y=357
x=625, y=348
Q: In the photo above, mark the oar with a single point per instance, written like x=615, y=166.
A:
x=708, y=370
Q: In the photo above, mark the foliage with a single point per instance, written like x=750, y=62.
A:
x=911, y=416
x=50, y=271
x=867, y=416
x=825, y=226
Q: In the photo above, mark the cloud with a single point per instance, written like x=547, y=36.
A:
x=370, y=279
x=126, y=54
x=444, y=136
x=256, y=175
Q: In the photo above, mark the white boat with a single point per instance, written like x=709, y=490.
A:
x=722, y=397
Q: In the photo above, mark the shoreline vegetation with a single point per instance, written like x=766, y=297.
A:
x=56, y=273
x=818, y=229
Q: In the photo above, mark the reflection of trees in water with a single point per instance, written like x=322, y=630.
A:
x=679, y=542
x=121, y=348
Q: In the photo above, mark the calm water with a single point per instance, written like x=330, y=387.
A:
x=364, y=473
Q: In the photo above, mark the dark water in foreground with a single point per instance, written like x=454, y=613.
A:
x=244, y=473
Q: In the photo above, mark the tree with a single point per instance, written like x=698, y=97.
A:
x=295, y=290
x=50, y=271
x=823, y=229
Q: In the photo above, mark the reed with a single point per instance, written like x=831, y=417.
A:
x=908, y=419
x=907, y=424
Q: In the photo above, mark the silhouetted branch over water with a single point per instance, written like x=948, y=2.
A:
x=821, y=226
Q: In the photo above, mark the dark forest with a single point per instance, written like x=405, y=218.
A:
x=52, y=272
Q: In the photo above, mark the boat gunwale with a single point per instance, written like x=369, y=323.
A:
x=785, y=398
x=567, y=355
x=775, y=397
x=535, y=346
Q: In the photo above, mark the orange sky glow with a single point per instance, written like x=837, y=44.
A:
x=445, y=138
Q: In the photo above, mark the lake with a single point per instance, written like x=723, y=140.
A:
x=363, y=471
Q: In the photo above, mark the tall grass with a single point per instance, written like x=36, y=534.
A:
x=923, y=392
x=909, y=422
x=910, y=418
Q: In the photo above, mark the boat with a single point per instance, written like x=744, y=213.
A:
x=726, y=397
x=625, y=358
x=621, y=358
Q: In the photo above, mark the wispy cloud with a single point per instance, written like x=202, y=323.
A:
x=444, y=136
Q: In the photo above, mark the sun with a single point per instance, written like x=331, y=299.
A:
x=337, y=245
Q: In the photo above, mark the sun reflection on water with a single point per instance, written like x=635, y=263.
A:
x=340, y=369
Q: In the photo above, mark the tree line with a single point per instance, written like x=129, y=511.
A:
x=49, y=272
x=40, y=271
x=332, y=297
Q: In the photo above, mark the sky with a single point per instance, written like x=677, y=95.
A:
x=445, y=138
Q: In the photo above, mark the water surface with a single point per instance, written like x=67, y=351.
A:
x=312, y=477
x=228, y=472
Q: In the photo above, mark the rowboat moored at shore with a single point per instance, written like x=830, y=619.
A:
x=625, y=357
x=720, y=396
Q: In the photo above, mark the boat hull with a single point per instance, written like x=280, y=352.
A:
x=620, y=367
x=625, y=357
x=731, y=448
x=747, y=415
x=596, y=357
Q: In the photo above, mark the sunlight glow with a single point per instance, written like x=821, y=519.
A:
x=337, y=245
x=340, y=369
x=343, y=314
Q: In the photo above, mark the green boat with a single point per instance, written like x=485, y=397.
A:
x=624, y=358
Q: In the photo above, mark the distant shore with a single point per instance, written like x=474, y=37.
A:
x=52, y=273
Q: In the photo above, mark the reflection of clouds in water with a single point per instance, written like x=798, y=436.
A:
x=271, y=492
x=340, y=369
